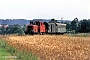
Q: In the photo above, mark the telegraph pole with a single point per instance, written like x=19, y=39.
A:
x=61, y=19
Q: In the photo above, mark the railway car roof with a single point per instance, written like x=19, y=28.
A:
x=61, y=24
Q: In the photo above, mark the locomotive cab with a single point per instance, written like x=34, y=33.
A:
x=36, y=27
x=31, y=29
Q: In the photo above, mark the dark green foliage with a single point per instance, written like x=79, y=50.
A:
x=12, y=29
x=2, y=30
x=73, y=26
x=84, y=26
x=68, y=27
x=76, y=26
x=24, y=28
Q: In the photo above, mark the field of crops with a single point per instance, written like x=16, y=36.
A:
x=53, y=47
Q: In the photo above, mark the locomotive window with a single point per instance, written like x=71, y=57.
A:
x=34, y=23
x=38, y=23
x=30, y=27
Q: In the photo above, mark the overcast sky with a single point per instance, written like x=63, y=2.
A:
x=44, y=9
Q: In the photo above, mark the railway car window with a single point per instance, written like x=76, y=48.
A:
x=38, y=23
x=34, y=23
x=31, y=22
x=51, y=28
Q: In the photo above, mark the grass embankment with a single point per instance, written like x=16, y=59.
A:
x=8, y=52
x=4, y=54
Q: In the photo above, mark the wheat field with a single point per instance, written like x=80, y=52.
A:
x=53, y=47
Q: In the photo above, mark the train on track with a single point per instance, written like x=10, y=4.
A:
x=38, y=27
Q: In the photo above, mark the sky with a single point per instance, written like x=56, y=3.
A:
x=45, y=9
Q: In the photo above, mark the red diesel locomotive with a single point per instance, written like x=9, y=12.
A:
x=36, y=27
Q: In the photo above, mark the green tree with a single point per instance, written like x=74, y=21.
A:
x=15, y=29
x=88, y=24
x=74, y=25
x=0, y=31
x=3, y=30
x=84, y=26
x=12, y=29
x=24, y=28
x=68, y=26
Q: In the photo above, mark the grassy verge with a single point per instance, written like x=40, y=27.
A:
x=8, y=52
x=4, y=55
x=80, y=35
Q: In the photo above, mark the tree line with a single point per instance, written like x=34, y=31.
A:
x=12, y=29
x=75, y=26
